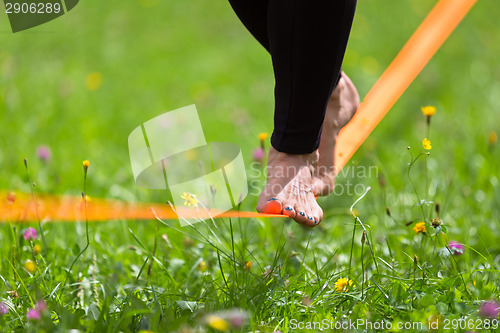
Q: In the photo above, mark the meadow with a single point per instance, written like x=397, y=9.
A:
x=410, y=236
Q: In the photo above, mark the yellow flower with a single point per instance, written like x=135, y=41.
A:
x=262, y=136
x=492, y=137
x=427, y=144
x=93, y=81
x=37, y=249
x=428, y=111
x=343, y=284
x=190, y=199
x=30, y=266
x=85, y=164
x=420, y=227
x=248, y=265
x=217, y=323
x=202, y=266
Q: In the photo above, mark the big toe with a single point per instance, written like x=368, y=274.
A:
x=271, y=206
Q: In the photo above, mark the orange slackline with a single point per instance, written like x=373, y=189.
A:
x=19, y=207
x=410, y=61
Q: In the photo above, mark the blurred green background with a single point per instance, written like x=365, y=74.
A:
x=81, y=83
x=152, y=56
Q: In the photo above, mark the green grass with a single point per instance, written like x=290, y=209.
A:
x=155, y=59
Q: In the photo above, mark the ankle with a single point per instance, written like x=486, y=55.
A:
x=286, y=158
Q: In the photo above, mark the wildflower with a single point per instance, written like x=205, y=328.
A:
x=30, y=266
x=492, y=138
x=37, y=311
x=306, y=301
x=428, y=111
x=11, y=197
x=343, y=284
x=258, y=154
x=262, y=136
x=189, y=199
x=456, y=248
x=436, y=222
x=420, y=227
x=37, y=249
x=248, y=265
x=30, y=234
x=43, y=153
x=202, y=266
x=268, y=272
x=217, y=323
x=489, y=309
x=41, y=306
x=3, y=309
x=237, y=318
x=34, y=314
x=426, y=144
x=86, y=164
x=188, y=242
x=93, y=81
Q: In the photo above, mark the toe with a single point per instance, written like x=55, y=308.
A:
x=288, y=210
x=301, y=216
x=272, y=206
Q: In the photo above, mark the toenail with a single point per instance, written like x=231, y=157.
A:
x=315, y=221
x=310, y=218
x=272, y=199
x=288, y=208
x=302, y=214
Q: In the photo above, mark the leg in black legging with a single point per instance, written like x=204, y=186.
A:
x=307, y=41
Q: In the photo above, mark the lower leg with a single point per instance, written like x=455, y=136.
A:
x=341, y=108
x=307, y=44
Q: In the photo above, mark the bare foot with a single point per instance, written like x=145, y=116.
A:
x=289, y=190
x=341, y=108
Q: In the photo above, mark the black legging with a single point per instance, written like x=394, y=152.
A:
x=307, y=41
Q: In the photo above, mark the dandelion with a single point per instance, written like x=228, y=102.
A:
x=248, y=265
x=428, y=111
x=93, y=81
x=258, y=154
x=489, y=309
x=43, y=153
x=492, y=138
x=217, y=323
x=37, y=249
x=202, y=266
x=426, y=144
x=420, y=227
x=262, y=136
x=3, y=309
x=343, y=284
x=189, y=199
x=30, y=234
x=86, y=164
x=30, y=266
x=456, y=248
